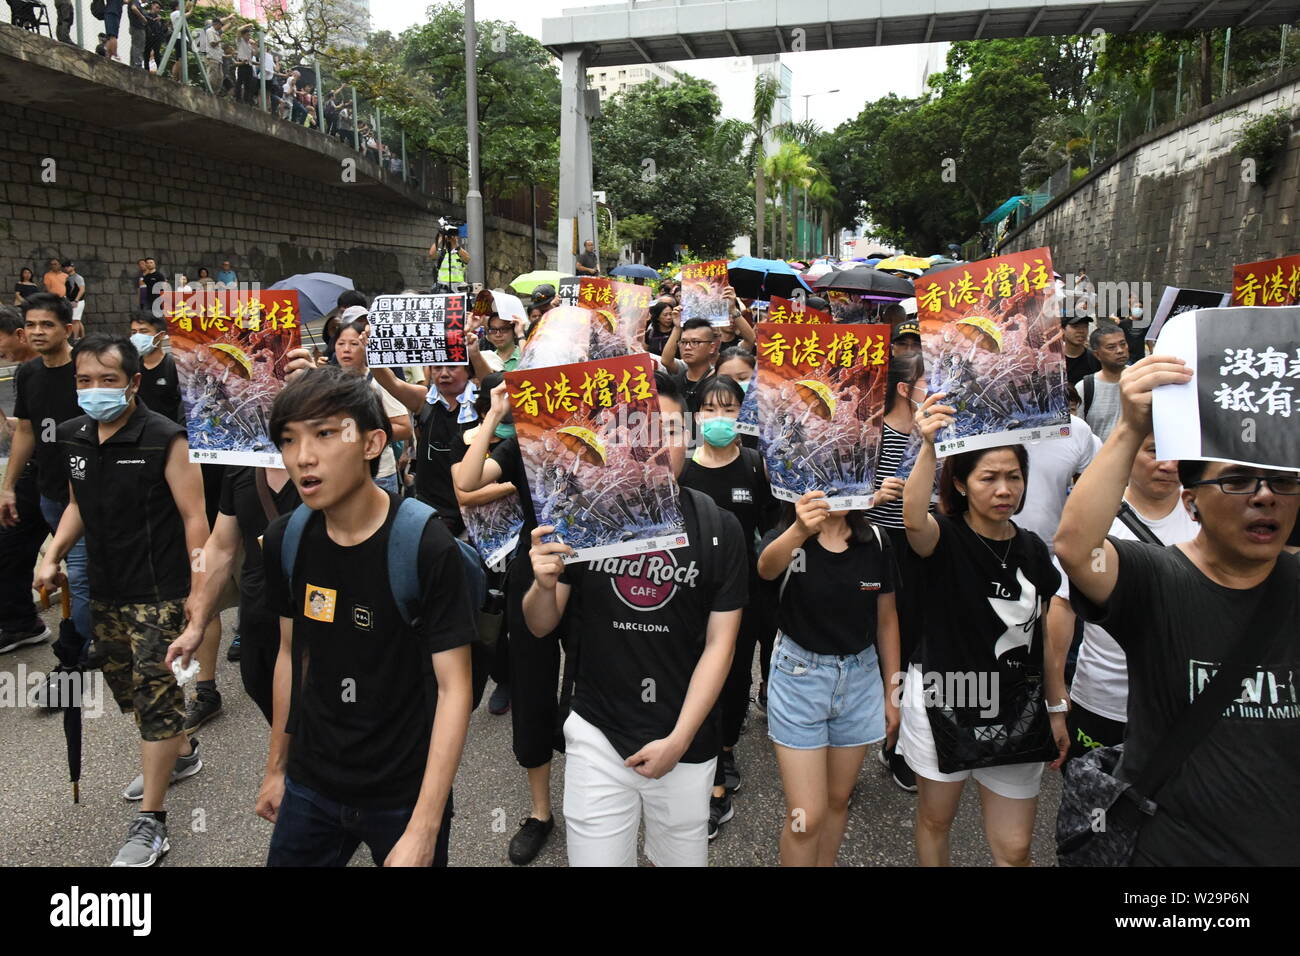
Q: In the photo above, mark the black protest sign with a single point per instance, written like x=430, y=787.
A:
x=1176, y=301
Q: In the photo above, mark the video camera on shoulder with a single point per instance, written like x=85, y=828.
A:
x=449, y=228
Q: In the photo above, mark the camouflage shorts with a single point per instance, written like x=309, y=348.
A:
x=131, y=640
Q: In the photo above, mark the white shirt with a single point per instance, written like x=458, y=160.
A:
x=1052, y=466
x=243, y=50
x=1101, y=672
x=392, y=409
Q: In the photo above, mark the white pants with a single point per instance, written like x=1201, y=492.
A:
x=603, y=802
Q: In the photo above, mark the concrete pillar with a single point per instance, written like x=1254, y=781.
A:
x=577, y=213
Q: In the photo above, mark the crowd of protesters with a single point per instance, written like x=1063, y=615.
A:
x=985, y=565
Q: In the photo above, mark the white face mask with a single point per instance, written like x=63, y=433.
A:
x=1137, y=312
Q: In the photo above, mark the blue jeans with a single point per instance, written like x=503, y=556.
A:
x=824, y=700
x=313, y=830
x=76, y=561
x=389, y=484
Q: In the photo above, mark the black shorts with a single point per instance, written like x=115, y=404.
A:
x=1089, y=731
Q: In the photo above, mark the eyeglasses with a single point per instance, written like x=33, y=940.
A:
x=691, y=343
x=1249, y=484
x=497, y=328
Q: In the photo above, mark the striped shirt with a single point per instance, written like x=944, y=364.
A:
x=893, y=444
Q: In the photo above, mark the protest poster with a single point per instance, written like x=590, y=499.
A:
x=567, y=290
x=821, y=409
x=568, y=334
x=417, y=330
x=502, y=304
x=780, y=311
x=991, y=339
x=230, y=350
x=622, y=310
x=589, y=437
x=702, y=285
x=494, y=529
x=1176, y=301
x=1239, y=404
x=1267, y=282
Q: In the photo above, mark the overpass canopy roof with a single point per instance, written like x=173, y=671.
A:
x=653, y=31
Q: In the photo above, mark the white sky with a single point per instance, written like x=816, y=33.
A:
x=861, y=75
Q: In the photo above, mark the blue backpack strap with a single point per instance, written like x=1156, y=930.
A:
x=403, y=556
x=475, y=576
x=289, y=544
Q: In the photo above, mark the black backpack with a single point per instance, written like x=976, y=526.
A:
x=97, y=9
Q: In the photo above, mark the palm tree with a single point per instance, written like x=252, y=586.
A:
x=821, y=194
x=789, y=168
x=765, y=91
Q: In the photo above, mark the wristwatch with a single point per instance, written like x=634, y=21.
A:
x=1060, y=708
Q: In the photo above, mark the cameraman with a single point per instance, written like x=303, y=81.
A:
x=448, y=257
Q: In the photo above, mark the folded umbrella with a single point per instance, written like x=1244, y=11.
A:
x=65, y=690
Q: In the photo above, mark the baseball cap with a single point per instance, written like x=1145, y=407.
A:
x=543, y=293
x=908, y=327
x=351, y=314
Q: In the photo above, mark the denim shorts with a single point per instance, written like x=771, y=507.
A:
x=824, y=700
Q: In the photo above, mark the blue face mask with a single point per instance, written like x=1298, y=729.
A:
x=744, y=386
x=718, y=432
x=143, y=342
x=102, y=404
x=504, y=430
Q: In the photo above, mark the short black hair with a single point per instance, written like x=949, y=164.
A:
x=720, y=385
x=1102, y=330
x=11, y=320
x=155, y=321
x=100, y=344
x=352, y=297
x=1191, y=470
x=326, y=391
x=667, y=387
x=699, y=323
x=49, y=302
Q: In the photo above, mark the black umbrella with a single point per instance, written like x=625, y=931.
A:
x=943, y=266
x=866, y=280
x=65, y=691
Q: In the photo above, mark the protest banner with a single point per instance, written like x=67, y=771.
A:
x=588, y=434
x=780, y=311
x=230, y=351
x=1267, y=282
x=622, y=310
x=568, y=334
x=1239, y=405
x=1176, y=301
x=702, y=285
x=821, y=409
x=494, y=529
x=567, y=290
x=991, y=338
x=417, y=330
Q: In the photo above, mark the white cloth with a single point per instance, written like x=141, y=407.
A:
x=392, y=409
x=604, y=801
x=1017, y=781
x=1052, y=467
x=1101, y=672
x=1103, y=413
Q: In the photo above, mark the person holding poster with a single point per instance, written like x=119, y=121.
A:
x=1226, y=602
x=139, y=501
x=973, y=698
x=658, y=631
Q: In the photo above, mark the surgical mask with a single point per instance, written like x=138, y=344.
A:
x=143, y=342
x=744, y=386
x=504, y=430
x=102, y=404
x=1137, y=312
x=718, y=432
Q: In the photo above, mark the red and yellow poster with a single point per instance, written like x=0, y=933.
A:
x=791, y=311
x=821, y=409
x=1267, y=282
x=702, y=285
x=622, y=311
x=594, y=449
x=230, y=351
x=991, y=338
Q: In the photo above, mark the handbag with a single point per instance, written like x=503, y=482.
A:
x=1101, y=814
x=1025, y=736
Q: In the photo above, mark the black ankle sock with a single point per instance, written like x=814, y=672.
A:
x=207, y=686
x=159, y=815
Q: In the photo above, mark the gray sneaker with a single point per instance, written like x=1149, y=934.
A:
x=185, y=767
x=146, y=843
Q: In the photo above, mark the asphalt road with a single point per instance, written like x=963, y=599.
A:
x=211, y=822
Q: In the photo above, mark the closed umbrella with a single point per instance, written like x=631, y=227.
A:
x=70, y=648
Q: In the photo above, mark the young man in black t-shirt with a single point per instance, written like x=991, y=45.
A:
x=370, y=712
x=658, y=631
x=139, y=500
x=160, y=386
x=1178, y=612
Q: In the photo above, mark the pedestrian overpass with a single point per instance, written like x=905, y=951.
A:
x=654, y=31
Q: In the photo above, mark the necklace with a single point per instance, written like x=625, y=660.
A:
x=1002, y=560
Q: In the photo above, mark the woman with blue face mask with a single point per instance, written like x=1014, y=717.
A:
x=734, y=477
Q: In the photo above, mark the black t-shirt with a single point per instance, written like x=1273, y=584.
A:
x=740, y=487
x=239, y=498
x=981, y=618
x=689, y=387
x=442, y=444
x=364, y=691
x=1233, y=800
x=149, y=297
x=26, y=289
x=1081, y=365
x=587, y=259
x=508, y=457
x=643, y=619
x=47, y=397
x=160, y=388
x=829, y=602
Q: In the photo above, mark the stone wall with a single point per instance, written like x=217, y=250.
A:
x=116, y=196
x=1174, y=208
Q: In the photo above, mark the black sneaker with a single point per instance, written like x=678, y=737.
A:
x=904, y=776
x=232, y=652
x=12, y=640
x=499, y=702
x=720, y=811
x=205, y=706
x=528, y=842
x=730, y=775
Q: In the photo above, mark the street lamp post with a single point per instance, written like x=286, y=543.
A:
x=806, y=98
x=477, y=271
